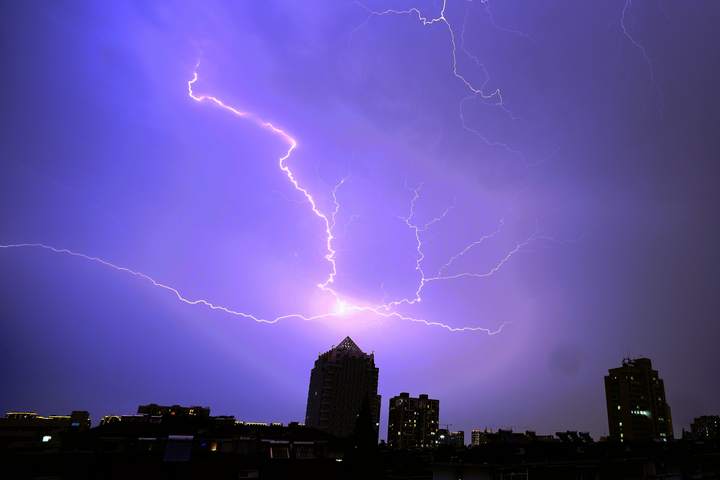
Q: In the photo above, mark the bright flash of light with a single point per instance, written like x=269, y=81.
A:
x=341, y=307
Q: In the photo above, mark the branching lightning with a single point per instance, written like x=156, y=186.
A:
x=441, y=276
x=643, y=52
x=493, y=98
x=158, y=284
x=282, y=163
x=469, y=247
x=342, y=306
x=486, y=7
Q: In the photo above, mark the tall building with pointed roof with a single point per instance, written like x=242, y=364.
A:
x=343, y=391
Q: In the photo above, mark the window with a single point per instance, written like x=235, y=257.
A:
x=279, y=451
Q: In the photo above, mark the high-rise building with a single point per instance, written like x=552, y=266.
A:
x=706, y=427
x=636, y=404
x=413, y=422
x=343, y=391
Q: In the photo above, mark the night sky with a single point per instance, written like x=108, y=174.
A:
x=594, y=183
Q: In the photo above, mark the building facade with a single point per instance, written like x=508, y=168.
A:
x=153, y=409
x=343, y=391
x=451, y=439
x=706, y=427
x=636, y=405
x=413, y=422
x=478, y=437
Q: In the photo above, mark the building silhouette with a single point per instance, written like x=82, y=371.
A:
x=706, y=427
x=484, y=438
x=343, y=385
x=449, y=438
x=413, y=422
x=478, y=437
x=636, y=405
x=154, y=409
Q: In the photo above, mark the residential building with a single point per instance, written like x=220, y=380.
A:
x=636, y=405
x=413, y=421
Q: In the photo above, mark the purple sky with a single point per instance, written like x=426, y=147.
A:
x=606, y=150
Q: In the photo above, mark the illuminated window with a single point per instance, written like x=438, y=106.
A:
x=46, y=438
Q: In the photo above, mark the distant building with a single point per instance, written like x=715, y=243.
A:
x=571, y=436
x=413, y=422
x=28, y=428
x=452, y=439
x=343, y=392
x=508, y=437
x=636, y=405
x=477, y=437
x=78, y=419
x=706, y=427
x=154, y=409
x=154, y=413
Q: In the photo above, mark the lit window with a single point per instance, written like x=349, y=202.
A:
x=46, y=438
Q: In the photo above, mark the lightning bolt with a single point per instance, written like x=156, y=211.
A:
x=493, y=98
x=383, y=311
x=159, y=285
x=490, y=272
x=486, y=7
x=469, y=247
x=282, y=164
x=424, y=280
x=643, y=52
x=495, y=95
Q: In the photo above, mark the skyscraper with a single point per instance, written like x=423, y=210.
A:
x=413, y=422
x=343, y=391
x=636, y=404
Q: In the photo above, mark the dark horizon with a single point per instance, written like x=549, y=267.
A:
x=500, y=223
x=336, y=430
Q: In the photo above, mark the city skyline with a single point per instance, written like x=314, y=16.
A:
x=340, y=375
x=501, y=199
